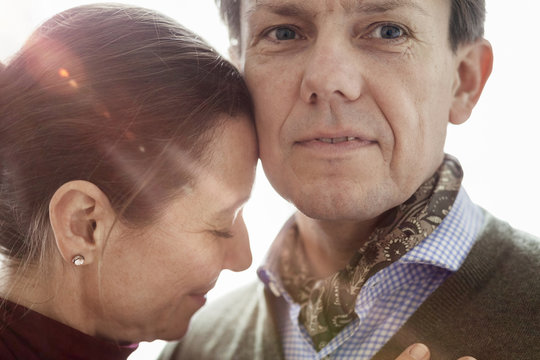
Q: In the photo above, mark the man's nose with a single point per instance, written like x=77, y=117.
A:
x=331, y=70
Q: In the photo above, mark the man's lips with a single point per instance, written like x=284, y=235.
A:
x=341, y=139
x=336, y=137
x=344, y=140
x=337, y=140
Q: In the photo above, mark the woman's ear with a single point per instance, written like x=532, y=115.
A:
x=474, y=64
x=81, y=218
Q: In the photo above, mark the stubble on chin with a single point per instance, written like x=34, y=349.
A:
x=332, y=203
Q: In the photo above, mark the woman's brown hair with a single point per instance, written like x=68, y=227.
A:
x=120, y=96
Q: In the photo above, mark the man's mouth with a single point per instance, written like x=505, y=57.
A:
x=337, y=140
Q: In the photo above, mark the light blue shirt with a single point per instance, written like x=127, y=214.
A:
x=389, y=297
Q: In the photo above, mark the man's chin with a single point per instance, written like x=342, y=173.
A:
x=343, y=208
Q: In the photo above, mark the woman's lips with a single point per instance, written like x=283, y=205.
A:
x=200, y=299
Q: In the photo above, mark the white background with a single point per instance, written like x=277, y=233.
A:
x=498, y=146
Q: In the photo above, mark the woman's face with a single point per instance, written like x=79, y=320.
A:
x=153, y=281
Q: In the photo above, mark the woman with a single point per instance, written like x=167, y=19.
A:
x=126, y=154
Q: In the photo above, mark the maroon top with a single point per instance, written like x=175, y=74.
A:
x=28, y=335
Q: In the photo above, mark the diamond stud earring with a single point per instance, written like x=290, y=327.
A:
x=78, y=260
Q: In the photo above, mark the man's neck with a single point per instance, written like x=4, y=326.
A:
x=330, y=245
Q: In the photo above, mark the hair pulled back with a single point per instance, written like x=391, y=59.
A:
x=120, y=96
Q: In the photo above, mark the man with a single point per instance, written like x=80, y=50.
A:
x=352, y=100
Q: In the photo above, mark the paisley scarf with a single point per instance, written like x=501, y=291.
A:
x=328, y=305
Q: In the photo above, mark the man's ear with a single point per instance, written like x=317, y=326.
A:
x=474, y=64
x=81, y=218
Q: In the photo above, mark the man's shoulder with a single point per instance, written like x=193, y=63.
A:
x=239, y=325
x=243, y=304
x=233, y=302
x=501, y=237
x=488, y=308
x=508, y=260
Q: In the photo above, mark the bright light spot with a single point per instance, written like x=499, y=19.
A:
x=63, y=73
x=73, y=84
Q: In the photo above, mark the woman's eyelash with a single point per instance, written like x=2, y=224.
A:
x=223, y=233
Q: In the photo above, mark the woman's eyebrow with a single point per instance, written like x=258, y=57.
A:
x=233, y=206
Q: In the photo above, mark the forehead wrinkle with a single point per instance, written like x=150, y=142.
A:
x=299, y=9
x=370, y=7
x=286, y=8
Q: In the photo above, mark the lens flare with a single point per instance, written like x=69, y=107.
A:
x=63, y=73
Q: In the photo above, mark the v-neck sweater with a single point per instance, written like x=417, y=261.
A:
x=488, y=309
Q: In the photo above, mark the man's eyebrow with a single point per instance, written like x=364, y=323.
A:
x=382, y=7
x=287, y=9
x=295, y=10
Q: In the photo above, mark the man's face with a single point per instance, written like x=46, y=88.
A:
x=352, y=99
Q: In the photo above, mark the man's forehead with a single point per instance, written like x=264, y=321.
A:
x=365, y=6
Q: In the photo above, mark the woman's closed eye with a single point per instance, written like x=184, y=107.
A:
x=225, y=234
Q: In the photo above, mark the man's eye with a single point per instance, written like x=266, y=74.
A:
x=284, y=33
x=388, y=31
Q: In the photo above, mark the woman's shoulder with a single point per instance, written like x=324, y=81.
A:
x=19, y=335
x=27, y=334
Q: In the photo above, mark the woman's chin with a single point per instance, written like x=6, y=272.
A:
x=172, y=334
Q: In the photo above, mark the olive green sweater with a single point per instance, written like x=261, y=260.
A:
x=489, y=309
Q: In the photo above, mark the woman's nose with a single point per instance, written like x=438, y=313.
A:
x=238, y=253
